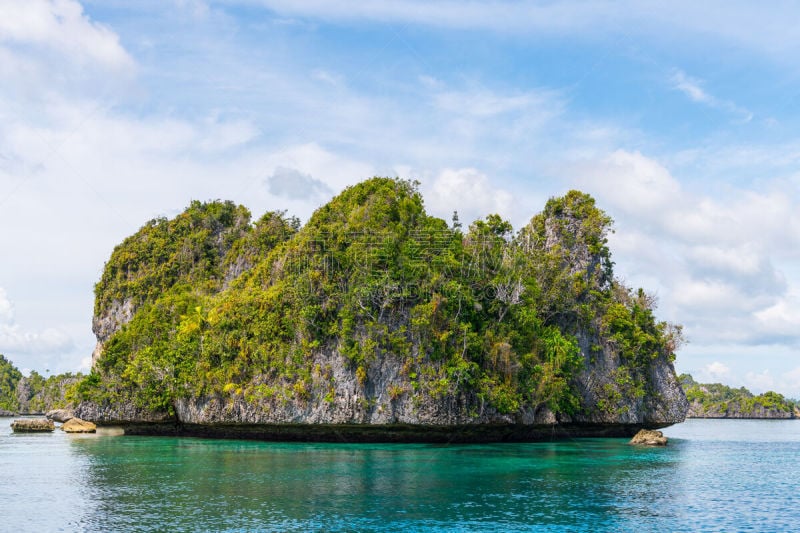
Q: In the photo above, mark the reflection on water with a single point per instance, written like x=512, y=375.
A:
x=702, y=481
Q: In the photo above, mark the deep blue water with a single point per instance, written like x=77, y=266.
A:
x=715, y=475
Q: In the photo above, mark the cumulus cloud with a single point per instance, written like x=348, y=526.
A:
x=62, y=27
x=782, y=319
x=717, y=371
x=632, y=183
x=719, y=261
x=292, y=184
x=88, y=164
x=16, y=340
x=6, y=309
x=467, y=191
x=759, y=381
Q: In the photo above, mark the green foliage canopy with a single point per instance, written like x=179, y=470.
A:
x=228, y=308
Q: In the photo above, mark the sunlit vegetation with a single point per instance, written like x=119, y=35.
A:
x=225, y=307
x=9, y=377
x=34, y=393
x=716, y=399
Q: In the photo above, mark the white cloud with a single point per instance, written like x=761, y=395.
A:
x=730, y=21
x=690, y=87
x=449, y=13
x=15, y=340
x=718, y=371
x=218, y=134
x=719, y=262
x=327, y=77
x=198, y=8
x=467, y=191
x=782, y=318
x=632, y=183
x=693, y=89
x=759, y=382
x=88, y=164
x=294, y=185
x=60, y=26
x=6, y=309
x=743, y=260
x=484, y=103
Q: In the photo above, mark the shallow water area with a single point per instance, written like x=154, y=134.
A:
x=714, y=475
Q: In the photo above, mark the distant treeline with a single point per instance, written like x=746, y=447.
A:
x=715, y=400
x=34, y=393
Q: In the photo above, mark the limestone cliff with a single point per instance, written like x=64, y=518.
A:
x=378, y=320
x=715, y=400
x=32, y=394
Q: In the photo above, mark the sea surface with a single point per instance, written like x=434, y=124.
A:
x=715, y=475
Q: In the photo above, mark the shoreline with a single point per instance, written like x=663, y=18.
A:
x=390, y=433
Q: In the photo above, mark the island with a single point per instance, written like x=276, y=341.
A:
x=33, y=394
x=376, y=321
x=715, y=400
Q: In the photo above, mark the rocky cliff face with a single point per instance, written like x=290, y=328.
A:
x=606, y=380
x=108, y=321
x=537, y=340
x=386, y=397
x=734, y=410
x=35, y=395
x=715, y=400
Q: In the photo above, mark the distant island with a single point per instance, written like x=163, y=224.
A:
x=714, y=400
x=33, y=394
x=377, y=321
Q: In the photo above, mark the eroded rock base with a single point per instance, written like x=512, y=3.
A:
x=32, y=425
x=400, y=433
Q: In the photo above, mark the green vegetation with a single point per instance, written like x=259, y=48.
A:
x=232, y=309
x=717, y=400
x=9, y=377
x=35, y=393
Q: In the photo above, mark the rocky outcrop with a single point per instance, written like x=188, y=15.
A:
x=734, y=410
x=384, y=408
x=312, y=338
x=116, y=315
x=3, y=412
x=24, y=394
x=120, y=413
x=716, y=400
x=60, y=415
x=647, y=437
x=36, y=396
x=664, y=405
x=32, y=425
x=76, y=425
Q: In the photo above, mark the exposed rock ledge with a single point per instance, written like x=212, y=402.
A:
x=198, y=421
x=732, y=410
x=60, y=415
x=76, y=425
x=383, y=433
x=32, y=425
x=647, y=437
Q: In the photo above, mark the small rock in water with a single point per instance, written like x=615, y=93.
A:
x=648, y=437
x=31, y=425
x=60, y=415
x=76, y=425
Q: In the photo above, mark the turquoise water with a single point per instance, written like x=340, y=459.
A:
x=715, y=475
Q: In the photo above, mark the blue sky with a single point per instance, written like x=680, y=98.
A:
x=681, y=118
